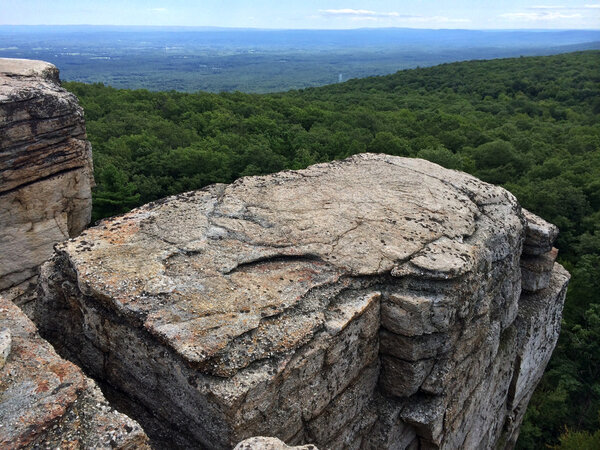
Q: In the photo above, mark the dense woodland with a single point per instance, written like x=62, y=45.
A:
x=529, y=124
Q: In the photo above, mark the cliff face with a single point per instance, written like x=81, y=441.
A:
x=375, y=302
x=45, y=168
x=45, y=181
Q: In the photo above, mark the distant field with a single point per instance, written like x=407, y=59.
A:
x=217, y=60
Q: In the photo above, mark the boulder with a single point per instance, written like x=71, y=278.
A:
x=374, y=302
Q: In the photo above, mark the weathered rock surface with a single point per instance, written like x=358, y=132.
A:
x=5, y=346
x=45, y=169
x=268, y=443
x=47, y=402
x=374, y=302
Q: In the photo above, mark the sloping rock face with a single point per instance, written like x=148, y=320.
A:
x=374, y=302
x=47, y=402
x=45, y=169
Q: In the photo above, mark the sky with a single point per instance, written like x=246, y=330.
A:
x=307, y=14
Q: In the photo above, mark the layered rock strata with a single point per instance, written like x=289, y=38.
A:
x=45, y=169
x=539, y=255
x=373, y=302
x=47, y=402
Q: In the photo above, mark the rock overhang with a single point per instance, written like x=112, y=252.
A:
x=42, y=124
x=203, y=269
x=28, y=68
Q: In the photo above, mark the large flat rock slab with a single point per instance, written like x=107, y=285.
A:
x=364, y=300
x=28, y=68
x=203, y=268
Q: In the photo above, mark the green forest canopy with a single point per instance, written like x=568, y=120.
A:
x=528, y=124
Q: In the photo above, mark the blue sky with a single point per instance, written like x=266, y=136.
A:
x=472, y=14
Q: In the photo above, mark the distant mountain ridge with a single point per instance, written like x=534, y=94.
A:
x=258, y=60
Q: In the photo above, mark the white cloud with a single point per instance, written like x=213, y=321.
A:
x=563, y=7
x=539, y=16
x=357, y=13
x=365, y=14
x=537, y=13
x=436, y=19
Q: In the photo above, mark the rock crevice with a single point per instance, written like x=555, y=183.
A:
x=45, y=182
x=47, y=402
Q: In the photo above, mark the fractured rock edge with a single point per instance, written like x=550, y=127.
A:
x=47, y=402
x=538, y=326
x=127, y=301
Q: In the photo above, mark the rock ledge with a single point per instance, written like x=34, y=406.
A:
x=374, y=302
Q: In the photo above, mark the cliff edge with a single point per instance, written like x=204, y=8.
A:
x=45, y=198
x=375, y=302
x=45, y=169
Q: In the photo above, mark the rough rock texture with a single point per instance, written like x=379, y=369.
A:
x=5, y=346
x=268, y=443
x=368, y=303
x=45, y=169
x=47, y=402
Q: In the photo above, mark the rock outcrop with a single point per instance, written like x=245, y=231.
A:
x=374, y=302
x=47, y=402
x=45, y=198
x=45, y=169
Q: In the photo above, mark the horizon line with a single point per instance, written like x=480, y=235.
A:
x=222, y=28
